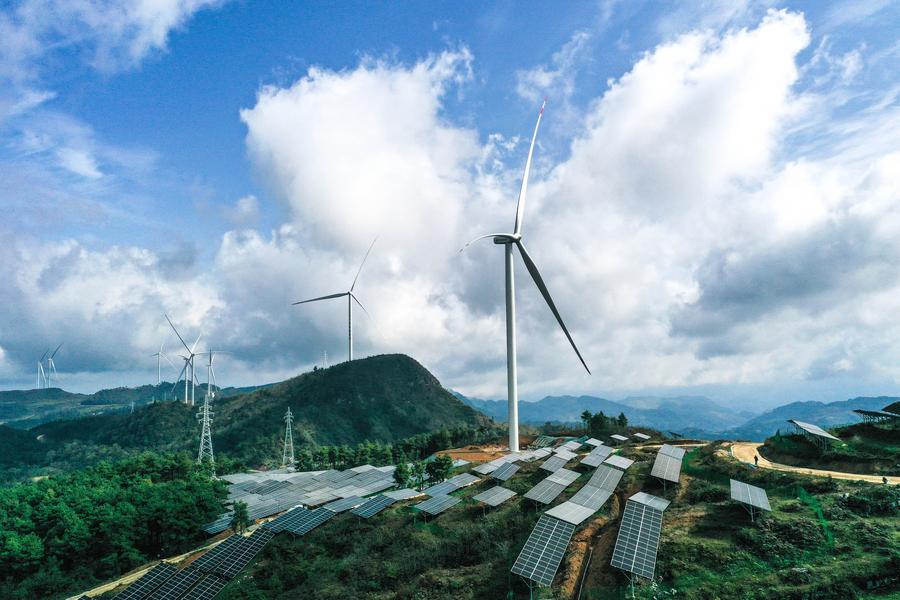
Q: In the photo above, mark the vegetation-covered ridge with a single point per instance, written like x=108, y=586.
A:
x=67, y=532
x=378, y=399
x=867, y=448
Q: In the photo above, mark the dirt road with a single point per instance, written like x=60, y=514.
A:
x=745, y=451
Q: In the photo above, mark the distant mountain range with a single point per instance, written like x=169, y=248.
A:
x=381, y=398
x=694, y=416
x=24, y=409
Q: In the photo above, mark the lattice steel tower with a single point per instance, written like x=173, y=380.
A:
x=287, y=457
x=205, y=418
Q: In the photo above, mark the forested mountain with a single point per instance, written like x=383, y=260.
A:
x=382, y=398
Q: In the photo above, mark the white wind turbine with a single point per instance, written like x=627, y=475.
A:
x=509, y=240
x=159, y=356
x=41, y=375
x=351, y=297
x=188, y=365
x=51, y=366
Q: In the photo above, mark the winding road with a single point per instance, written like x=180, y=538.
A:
x=745, y=451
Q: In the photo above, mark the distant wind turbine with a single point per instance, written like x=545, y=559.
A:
x=51, y=366
x=41, y=375
x=351, y=297
x=509, y=240
x=188, y=365
x=159, y=356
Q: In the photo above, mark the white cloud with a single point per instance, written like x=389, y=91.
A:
x=558, y=79
x=245, y=211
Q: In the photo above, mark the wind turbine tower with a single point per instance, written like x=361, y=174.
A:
x=508, y=240
x=51, y=366
x=188, y=365
x=287, y=457
x=351, y=298
x=41, y=375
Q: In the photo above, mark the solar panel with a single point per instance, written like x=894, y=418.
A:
x=495, y=496
x=211, y=559
x=813, y=430
x=593, y=442
x=438, y=504
x=563, y=476
x=505, y=472
x=463, y=480
x=606, y=478
x=591, y=497
x=655, y=502
x=235, y=562
x=207, y=589
x=592, y=460
x=566, y=454
x=545, y=491
x=750, y=494
x=571, y=512
x=179, y=584
x=541, y=453
x=554, y=463
x=148, y=582
x=404, y=494
x=441, y=489
x=666, y=468
x=619, y=438
x=310, y=520
x=544, y=550
x=619, y=461
x=638, y=539
x=573, y=445
x=292, y=516
x=345, y=504
x=489, y=467
x=373, y=506
x=642, y=436
x=673, y=451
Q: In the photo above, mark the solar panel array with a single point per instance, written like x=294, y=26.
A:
x=178, y=585
x=544, y=550
x=642, y=436
x=373, y=506
x=545, y=491
x=596, y=456
x=438, y=504
x=750, y=494
x=404, y=494
x=666, y=468
x=213, y=557
x=570, y=512
x=591, y=497
x=638, y=539
x=463, y=480
x=441, y=489
x=563, y=476
x=655, y=502
x=270, y=493
x=565, y=453
x=618, y=461
x=554, y=463
x=593, y=442
x=147, y=583
x=619, y=438
x=307, y=521
x=207, y=589
x=572, y=446
x=288, y=518
x=505, y=472
x=243, y=553
x=606, y=478
x=345, y=504
x=495, y=496
x=673, y=451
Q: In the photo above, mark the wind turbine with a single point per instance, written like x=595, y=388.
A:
x=159, y=356
x=41, y=376
x=188, y=362
x=51, y=366
x=351, y=297
x=509, y=240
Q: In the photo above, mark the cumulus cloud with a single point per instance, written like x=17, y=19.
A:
x=685, y=239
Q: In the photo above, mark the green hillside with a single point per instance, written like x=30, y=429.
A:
x=867, y=448
x=382, y=398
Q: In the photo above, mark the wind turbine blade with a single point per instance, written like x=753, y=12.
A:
x=169, y=360
x=539, y=282
x=183, y=369
x=178, y=334
x=55, y=351
x=360, y=304
x=520, y=206
x=44, y=355
x=213, y=372
x=362, y=263
x=481, y=237
x=195, y=343
x=329, y=297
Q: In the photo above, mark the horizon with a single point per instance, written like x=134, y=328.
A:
x=713, y=202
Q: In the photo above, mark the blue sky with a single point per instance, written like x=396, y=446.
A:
x=188, y=157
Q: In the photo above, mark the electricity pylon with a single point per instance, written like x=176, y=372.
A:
x=287, y=457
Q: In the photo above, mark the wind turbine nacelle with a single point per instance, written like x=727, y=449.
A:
x=503, y=240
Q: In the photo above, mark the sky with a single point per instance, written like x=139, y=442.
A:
x=713, y=203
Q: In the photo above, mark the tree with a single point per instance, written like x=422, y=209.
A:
x=401, y=474
x=418, y=474
x=240, y=521
x=622, y=420
x=440, y=468
x=586, y=419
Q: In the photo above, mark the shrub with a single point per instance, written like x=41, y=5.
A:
x=874, y=500
x=703, y=491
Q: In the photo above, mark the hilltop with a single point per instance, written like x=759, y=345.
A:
x=382, y=398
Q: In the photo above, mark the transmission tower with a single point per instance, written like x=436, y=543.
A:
x=205, y=417
x=287, y=457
